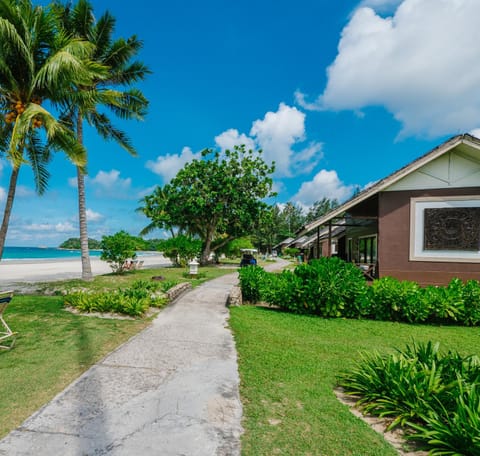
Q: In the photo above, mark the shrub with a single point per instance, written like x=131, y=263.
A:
x=181, y=249
x=446, y=302
x=118, y=248
x=291, y=251
x=133, y=301
x=420, y=388
x=471, y=303
x=392, y=299
x=332, y=287
x=251, y=278
x=285, y=291
x=456, y=431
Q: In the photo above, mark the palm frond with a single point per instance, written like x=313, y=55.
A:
x=105, y=128
x=39, y=157
x=102, y=34
x=122, y=51
x=134, y=72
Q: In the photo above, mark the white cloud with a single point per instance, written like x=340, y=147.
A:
x=231, y=138
x=110, y=184
x=422, y=64
x=475, y=132
x=73, y=182
x=167, y=166
x=277, y=133
x=65, y=227
x=3, y=194
x=381, y=5
x=324, y=184
x=23, y=192
x=93, y=216
x=111, y=179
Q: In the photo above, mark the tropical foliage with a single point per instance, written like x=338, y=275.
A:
x=109, y=93
x=134, y=300
x=435, y=395
x=39, y=64
x=331, y=287
x=217, y=197
x=181, y=249
x=118, y=248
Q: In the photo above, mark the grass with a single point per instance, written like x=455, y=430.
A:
x=114, y=281
x=54, y=347
x=289, y=366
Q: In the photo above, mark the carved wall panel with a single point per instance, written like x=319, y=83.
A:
x=450, y=228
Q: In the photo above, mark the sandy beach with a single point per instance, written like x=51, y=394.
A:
x=31, y=271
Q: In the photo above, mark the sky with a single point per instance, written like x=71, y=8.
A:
x=338, y=93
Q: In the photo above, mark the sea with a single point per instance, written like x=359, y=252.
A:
x=42, y=253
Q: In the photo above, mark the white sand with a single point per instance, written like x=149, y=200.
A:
x=13, y=271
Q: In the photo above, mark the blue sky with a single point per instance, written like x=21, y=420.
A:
x=339, y=94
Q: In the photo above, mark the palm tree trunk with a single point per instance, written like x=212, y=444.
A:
x=8, y=207
x=82, y=211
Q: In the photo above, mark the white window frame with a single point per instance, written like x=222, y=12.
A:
x=417, y=207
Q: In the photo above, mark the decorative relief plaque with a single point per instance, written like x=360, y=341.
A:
x=452, y=228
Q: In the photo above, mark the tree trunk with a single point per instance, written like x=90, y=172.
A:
x=208, y=243
x=8, y=207
x=82, y=212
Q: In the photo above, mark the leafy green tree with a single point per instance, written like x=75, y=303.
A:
x=118, y=248
x=112, y=92
x=219, y=196
x=268, y=232
x=291, y=219
x=181, y=249
x=320, y=208
x=37, y=64
x=233, y=248
x=74, y=243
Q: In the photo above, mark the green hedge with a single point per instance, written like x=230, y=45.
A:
x=331, y=287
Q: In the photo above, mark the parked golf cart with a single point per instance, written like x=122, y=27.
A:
x=248, y=257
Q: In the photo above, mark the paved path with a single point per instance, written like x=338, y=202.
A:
x=171, y=390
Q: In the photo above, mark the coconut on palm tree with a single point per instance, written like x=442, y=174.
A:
x=111, y=94
x=37, y=63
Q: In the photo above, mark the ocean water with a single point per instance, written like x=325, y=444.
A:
x=42, y=253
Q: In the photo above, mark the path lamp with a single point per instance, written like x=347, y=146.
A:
x=193, y=267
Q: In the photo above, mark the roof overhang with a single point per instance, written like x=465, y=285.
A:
x=392, y=178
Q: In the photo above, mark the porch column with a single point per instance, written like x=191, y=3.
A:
x=318, y=242
x=329, y=248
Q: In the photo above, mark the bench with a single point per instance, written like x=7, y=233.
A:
x=7, y=336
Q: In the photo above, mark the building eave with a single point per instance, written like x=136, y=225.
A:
x=393, y=178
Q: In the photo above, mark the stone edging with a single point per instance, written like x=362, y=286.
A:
x=178, y=290
x=235, y=296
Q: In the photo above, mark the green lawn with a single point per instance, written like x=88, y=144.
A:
x=288, y=367
x=54, y=347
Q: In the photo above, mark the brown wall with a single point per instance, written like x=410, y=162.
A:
x=394, y=241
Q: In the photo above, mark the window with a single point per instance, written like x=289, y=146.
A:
x=367, y=249
x=445, y=229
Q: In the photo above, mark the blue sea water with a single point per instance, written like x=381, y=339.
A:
x=41, y=253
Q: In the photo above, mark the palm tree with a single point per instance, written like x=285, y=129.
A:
x=103, y=92
x=36, y=65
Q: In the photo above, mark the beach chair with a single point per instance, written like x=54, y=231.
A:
x=7, y=336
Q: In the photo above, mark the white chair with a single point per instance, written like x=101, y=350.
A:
x=7, y=336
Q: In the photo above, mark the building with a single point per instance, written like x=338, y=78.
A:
x=421, y=223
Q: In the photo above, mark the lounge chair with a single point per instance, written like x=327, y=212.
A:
x=7, y=336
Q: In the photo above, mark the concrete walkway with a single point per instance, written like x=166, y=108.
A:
x=170, y=390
